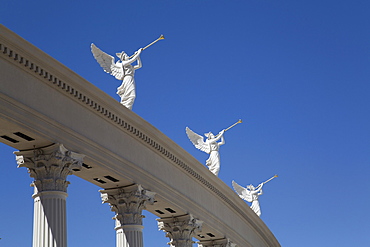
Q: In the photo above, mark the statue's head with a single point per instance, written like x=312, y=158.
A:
x=251, y=187
x=209, y=135
x=122, y=55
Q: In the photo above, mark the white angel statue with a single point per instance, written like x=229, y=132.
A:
x=210, y=146
x=120, y=70
x=250, y=194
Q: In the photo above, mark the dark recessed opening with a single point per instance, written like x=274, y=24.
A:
x=76, y=170
x=86, y=166
x=159, y=211
x=99, y=180
x=24, y=136
x=170, y=210
x=211, y=235
x=9, y=139
x=111, y=178
x=201, y=236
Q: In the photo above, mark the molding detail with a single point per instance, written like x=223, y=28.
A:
x=180, y=229
x=225, y=242
x=49, y=166
x=128, y=203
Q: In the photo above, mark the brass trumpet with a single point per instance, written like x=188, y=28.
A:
x=268, y=180
x=155, y=41
x=239, y=121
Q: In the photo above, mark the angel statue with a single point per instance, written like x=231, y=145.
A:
x=251, y=194
x=121, y=70
x=210, y=146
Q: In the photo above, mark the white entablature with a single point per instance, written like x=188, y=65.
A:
x=65, y=108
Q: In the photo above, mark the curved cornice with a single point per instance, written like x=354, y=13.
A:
x=59, y=78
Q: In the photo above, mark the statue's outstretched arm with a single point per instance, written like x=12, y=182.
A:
x=139, y=64
x=259, y=187
x=218, y=136
x=131, y=60
x=222, y=142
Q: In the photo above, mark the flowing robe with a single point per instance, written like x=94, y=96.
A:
x=256, y=207
x=255, y=204
x=127, y=89
x=213, y=162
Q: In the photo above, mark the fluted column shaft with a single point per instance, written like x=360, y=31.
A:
x=129, y=236
x=49, y=167
x=180, y=229
x=128, y=204
x=49, y=225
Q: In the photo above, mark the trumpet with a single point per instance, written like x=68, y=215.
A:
x=239, y=121
x=268, y=180
x=155, y=41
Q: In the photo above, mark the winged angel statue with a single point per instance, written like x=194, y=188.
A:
x=210, y=146
x=121, y=70
x=250, y=194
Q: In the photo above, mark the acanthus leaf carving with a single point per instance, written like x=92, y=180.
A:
x=180, y=229
x=128, y=203
x=49, y=166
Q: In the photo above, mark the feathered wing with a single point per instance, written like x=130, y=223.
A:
x=197, y=140
x=242, y=192
x=106, y=61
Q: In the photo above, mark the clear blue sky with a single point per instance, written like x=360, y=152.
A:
x=296, y=72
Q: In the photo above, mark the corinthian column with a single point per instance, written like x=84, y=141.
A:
x=180, y=229
x=128, y=204
x=225, y=242
x=49, y=167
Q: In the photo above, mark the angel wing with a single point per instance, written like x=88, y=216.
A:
x=197, y=140
x=242, y=192
x=106, y=61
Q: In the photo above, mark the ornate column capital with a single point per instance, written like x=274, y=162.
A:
x=180, y=229
x=49, y=166
x=225, y=242
x=128, y=203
